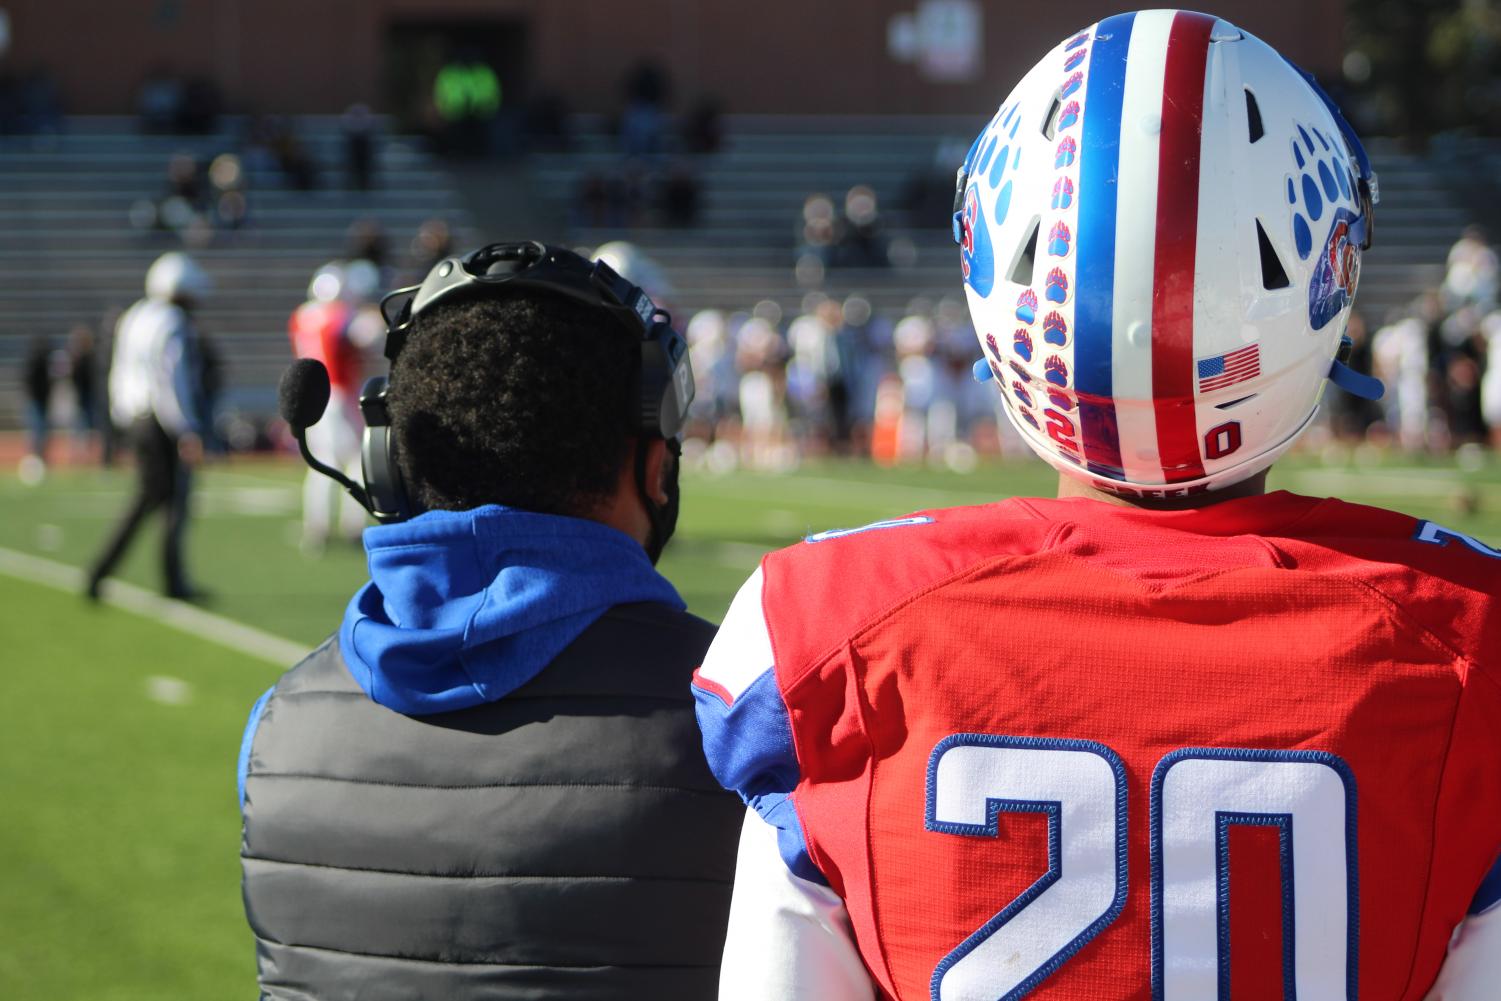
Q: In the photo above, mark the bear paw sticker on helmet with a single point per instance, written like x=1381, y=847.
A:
x=1022, y=396
x=1061, y=400
x=1074, y=59
x=1066, y=150
x=1069, y=116
x=1056, y=371
x=1059, y=239
x=1076, y=41
x=1021, y=343
x=1021, y=373
x=1063, y=193
x=1054, y=329
x=1057, y=287
x=1071, y=85
x=1026, y=307
x=995, y=349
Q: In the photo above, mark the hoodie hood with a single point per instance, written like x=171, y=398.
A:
x=464, y=607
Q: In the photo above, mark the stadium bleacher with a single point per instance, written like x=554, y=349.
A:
x=742, y=250
x=72, y=254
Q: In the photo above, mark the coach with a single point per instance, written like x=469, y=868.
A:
x=488, y=783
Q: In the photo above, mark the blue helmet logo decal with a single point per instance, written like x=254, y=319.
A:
x=976, y=259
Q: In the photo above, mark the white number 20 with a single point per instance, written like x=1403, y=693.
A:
x=1197, y=795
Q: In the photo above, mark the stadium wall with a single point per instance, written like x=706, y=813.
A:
x=773, y=56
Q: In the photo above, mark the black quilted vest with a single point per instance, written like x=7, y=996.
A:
x=565, y=842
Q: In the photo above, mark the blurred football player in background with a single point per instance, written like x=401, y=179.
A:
x=156, y=400
x=1167, y=735
x=338, y=326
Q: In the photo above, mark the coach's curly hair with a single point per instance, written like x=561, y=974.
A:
x=522, y=401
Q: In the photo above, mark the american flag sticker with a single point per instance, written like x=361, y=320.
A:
x=1228, y=369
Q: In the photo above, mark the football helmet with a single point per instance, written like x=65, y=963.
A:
x=175, y=275
x=1160, y=236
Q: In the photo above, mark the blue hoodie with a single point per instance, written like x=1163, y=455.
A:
x=464, y=607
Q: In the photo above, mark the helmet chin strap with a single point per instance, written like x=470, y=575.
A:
x=1367, y=387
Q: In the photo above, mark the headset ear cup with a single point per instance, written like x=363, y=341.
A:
x=378, y=458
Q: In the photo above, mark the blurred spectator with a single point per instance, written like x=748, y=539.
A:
x=298, y=168
x=812, y=364
x=928, y=194
x=861, y=244
x=226, y=176
x=546, y=123
x=817, y=231
x=166, y=103
x=1400, y=358
x=358, y=126
x=760, y=356
x=716, y=399
x=36, y=380
x=199, y=112
x=83, y=376
x=703, y=130
x=432, y=243
x=1460, y=360
x=595, y=205
x=366, y=241
x=643, y=124
x=38, y=106
x=1472, y=273
x=1490, y=385
x=679, y=198
x=159, y=101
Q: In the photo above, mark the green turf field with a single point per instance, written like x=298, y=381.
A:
x=118, y=735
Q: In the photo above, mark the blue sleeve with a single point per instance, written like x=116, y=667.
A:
x=747, y=732
x=1489, y=894
x=748, y=744
x=243, y=767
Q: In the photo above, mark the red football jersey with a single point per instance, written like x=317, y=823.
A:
x=1070, y=750
x=320, y=330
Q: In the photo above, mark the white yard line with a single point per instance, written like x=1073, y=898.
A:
x=178, y=614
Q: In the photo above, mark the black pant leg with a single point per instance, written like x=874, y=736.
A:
x=156, y=455
x=179, y=478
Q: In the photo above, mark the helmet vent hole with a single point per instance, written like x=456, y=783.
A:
x=1273, y=274
x=1234, y=403
x=1050, y=120
x=1254, y=128
x=1021, y=270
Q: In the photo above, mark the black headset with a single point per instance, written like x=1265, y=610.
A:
x=663, y=382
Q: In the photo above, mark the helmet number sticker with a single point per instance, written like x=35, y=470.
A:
x=1222, y=440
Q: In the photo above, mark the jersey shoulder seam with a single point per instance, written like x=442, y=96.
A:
x=796, y=675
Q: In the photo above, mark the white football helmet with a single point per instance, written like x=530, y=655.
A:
x=1160, y=236
x=327, y=283
x=175, y=275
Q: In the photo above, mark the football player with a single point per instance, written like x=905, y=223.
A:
x=1167, y=735
x=337, y=325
